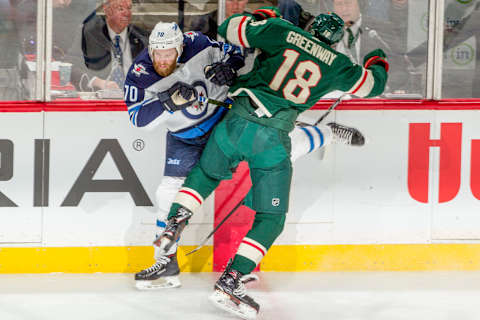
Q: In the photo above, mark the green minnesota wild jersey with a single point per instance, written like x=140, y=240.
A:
x=294, y=69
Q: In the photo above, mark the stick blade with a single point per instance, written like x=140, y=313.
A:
x=199, y=246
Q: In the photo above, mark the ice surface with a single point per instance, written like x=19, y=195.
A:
x=282, y=296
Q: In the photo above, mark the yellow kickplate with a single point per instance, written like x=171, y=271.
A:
x=96, y=259
x=388, y=257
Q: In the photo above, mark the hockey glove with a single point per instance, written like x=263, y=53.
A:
x=376, y=57
x=305, y=19
x=220, y=73
x=180, y=96
x=266, y=13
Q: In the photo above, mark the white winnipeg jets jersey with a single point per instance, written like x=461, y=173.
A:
x=143, y=84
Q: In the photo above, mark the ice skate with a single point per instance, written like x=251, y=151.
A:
x=346, y=135
x=161, y=275
x=230, y=295
x=173, y=229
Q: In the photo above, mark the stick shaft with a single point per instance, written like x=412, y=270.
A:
x=217, y=102
x=218, y=226
x=333, y=106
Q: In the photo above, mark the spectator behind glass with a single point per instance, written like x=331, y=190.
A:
x=379, y=9
x=207, y=24
x=9, y=44
x=461, y=64
x=364, y=33
x=399, y=19
x=461, y=60
x=294, y=12
x=66, y=12
x=109, y=43
x=67, y=16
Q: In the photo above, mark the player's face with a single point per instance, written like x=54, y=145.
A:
x=118, y=14
x=348, y=10
x=234, y=6
x=165, y=61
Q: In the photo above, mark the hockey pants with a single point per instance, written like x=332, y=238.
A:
x=267, y=151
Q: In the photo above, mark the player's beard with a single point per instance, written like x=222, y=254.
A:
x=164, y=71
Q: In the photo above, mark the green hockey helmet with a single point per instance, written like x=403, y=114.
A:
x=327, y=27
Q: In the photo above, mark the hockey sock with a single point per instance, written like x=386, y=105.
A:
x=266, y=228
x=198, y=180
x=308, y=139
x=196, y=188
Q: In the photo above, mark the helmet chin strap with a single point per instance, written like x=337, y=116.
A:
x=179, y=51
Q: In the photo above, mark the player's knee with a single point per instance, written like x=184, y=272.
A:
x=280, y=224
x=165, y=194
x=276, y=222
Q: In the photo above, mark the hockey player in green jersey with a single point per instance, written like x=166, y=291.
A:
x=293, y=69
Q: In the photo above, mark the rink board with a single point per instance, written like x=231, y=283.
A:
x=77, y=192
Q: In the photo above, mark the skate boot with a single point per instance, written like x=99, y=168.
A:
x=230, y=295
x=162, y=275
x=173, y=229
x=346, y=135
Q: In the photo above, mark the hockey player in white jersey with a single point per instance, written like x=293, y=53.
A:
x=170, y=84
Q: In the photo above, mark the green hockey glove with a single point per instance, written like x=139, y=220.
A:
x=376, y=57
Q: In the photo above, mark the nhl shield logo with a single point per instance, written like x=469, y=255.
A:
x=275, y=202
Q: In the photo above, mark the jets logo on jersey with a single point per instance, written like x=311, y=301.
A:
x=191, y=35
x=199, y=108
x=139, y=69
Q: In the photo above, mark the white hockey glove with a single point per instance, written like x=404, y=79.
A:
x=220, y=73
x=180, y=96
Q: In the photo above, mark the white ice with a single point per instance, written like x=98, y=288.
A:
x=282, y=296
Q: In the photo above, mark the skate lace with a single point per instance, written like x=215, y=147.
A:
x=161, y=263
x=343, y=134
x=240, y=291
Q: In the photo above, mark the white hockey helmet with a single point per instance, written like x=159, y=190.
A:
x=165, y=35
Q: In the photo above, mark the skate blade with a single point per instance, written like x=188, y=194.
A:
x=223, y=301
x=161, y=283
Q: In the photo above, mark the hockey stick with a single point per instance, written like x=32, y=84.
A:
x=217, y=227
x=215, y=102
x=333, y=106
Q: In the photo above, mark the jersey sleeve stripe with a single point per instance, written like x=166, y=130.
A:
x=242, y=33
x=133, y=114
x=364, y=85
x=189, y=199
x=134, y=109
x=236, y=31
